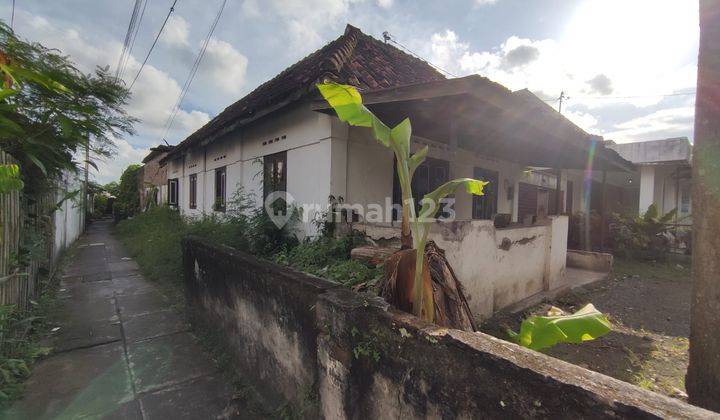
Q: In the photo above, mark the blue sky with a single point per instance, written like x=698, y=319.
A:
x=615, y=59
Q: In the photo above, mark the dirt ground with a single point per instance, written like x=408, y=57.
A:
x=649, y=306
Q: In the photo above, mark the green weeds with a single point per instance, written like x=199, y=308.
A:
x=154, y=239
x=20, y=333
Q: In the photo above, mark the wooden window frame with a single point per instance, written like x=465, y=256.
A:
x=220, y=189
x=193, y=191
x=274, y=173
x=173, y=190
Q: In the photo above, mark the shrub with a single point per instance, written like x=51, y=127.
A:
x=642, y=236
x=154, y=237
x=19, y=347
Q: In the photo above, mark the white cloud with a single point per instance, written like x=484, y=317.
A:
x=110, y=169
x=582, y=119
x=485, y=2
x=385, y=4
x=304, y=18
x=176, y=32
x=633, y=64
x=600, y=84
x=659, y=124
x=223, y=70
x=154, y=93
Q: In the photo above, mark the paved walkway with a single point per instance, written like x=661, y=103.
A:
x=119, y=351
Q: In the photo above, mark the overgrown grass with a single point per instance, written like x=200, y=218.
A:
x=154, y=239
x=329, y=258
x=21, y=333
x=667, y=270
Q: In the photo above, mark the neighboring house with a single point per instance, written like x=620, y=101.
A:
x=281, y=136
x=663, y=171
x=153, y=177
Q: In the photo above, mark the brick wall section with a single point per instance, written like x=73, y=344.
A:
x=152, y=173
x=295, y=336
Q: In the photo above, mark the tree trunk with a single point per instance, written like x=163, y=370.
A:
x=371, y=255
x=703, y=377
x=450, y=307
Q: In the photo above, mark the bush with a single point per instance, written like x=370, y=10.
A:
x=642, y=236
x=329, y=258
x=154, y=237
x=19, y=346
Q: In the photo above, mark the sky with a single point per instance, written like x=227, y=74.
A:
x=626, y=66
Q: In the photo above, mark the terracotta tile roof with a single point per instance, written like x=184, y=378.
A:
x=354, y=58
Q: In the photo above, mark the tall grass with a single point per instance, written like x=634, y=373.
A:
x=154, y=238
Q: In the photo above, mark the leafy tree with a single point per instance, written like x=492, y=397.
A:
x=112, y=188
x=128, y=196
x=49, y=111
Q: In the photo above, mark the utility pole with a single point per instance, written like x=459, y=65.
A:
x=562, y=96
x=703, y=377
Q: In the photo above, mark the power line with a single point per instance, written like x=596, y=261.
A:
x=128, y=36
x=172, y=8
x=625, y=97
x=134, y=38
x=12, y=16
x=192, y=73
x=388, y=37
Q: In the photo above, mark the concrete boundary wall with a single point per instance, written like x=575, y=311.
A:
x=339, y=354
x=588, y=260
x=498, y=267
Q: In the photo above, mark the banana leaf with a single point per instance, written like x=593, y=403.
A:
x=540, y=332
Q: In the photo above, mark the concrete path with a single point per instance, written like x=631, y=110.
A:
x=120, y=352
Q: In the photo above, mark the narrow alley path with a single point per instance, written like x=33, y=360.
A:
x=120, y=352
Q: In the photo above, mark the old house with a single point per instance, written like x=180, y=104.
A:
x=662, y=176
x=153, y=177
x=282, y=137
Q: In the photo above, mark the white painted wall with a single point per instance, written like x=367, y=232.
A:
x=495, y=277
x=647, y=188
x=315, y=161
x=69, y=219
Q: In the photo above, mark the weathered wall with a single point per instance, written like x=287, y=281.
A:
x=587, y=260
x=301, y=339
x=265, y=313
x=305, y=135
x=676, y=149
x=498, y=267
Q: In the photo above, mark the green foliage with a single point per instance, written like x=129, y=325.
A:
x=100, y=204
x=329, y=258
x=154, y=237
x=642, y=236
x=49, y=110
x=112, y=188
x=10, y=178
x=347, y=103
x=128, y=193
x=540, y=332
x=19, y=347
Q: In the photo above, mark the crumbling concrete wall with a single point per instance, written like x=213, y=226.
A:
x=294, y=335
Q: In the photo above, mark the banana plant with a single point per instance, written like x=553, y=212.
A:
x=540, y=332
x=347, y=103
